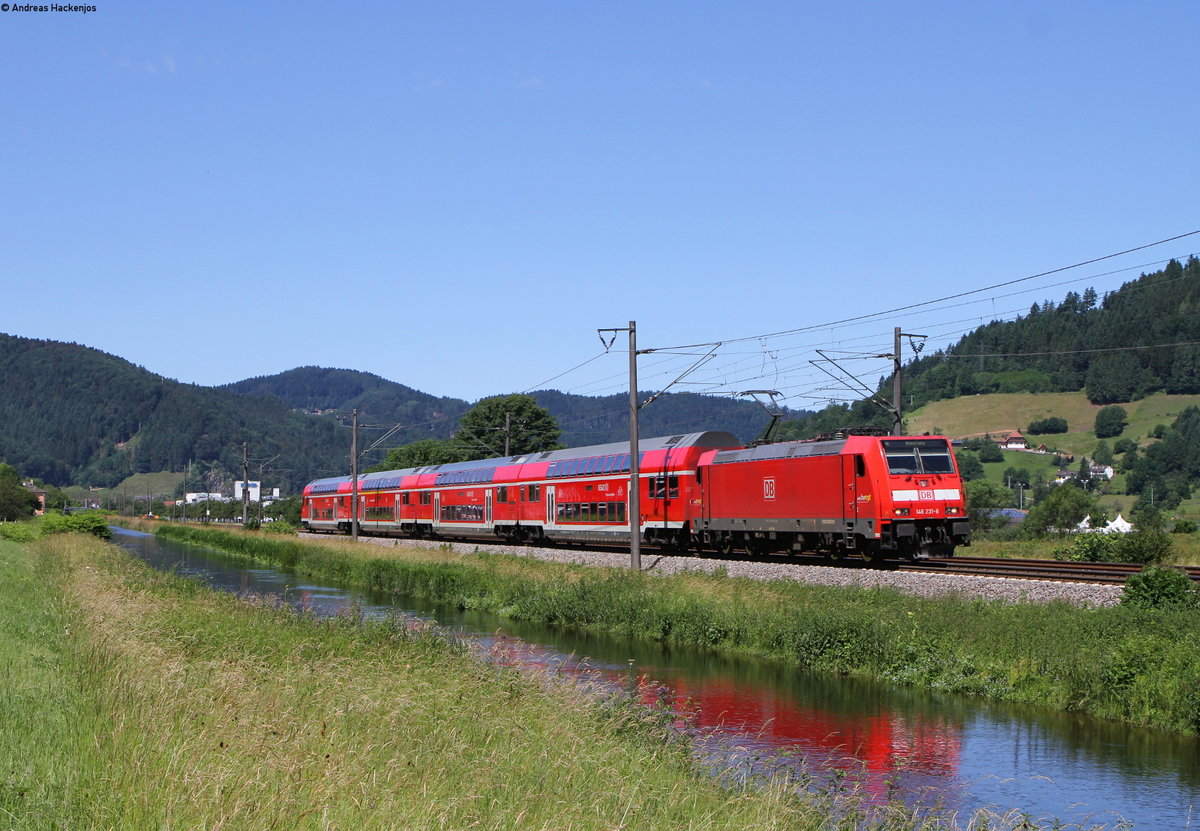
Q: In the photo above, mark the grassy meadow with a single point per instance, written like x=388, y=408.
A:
x=1002, y=413
x=136, y=700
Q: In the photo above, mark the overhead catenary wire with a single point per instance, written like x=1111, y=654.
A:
x=722, y=376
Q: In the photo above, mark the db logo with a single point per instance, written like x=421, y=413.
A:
x=925, y=495
x=769, y=488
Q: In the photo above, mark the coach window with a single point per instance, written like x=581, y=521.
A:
x=535, y=493
x=502, y=493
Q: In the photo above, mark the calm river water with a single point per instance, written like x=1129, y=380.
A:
x=944, y=750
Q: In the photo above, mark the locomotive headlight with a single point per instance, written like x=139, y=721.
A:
x=953, y=511
x=901, y=512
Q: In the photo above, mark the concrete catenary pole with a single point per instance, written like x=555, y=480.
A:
x=354, y=475
x=897, y=428
x=635, y=505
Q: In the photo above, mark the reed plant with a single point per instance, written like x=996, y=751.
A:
x=1141, y=666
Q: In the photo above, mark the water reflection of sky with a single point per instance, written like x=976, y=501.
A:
x=938, y=750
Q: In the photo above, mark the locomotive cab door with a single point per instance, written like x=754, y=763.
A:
x=858, y=512
x=850, y=502
x=856, y=499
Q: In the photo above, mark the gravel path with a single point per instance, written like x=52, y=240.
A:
x=927, y=585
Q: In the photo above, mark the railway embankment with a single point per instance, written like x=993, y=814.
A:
x=1140, y=666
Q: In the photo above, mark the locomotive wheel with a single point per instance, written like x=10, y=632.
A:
x=726, y=546
x=868, y=554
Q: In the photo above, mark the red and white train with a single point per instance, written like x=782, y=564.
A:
x=894, y=496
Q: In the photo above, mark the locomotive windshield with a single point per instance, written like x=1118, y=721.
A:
x=918, y=456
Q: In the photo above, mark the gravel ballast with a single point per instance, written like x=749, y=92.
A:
x=926, y=585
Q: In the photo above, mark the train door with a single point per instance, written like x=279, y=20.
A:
x=551, y=514
x=437, y=508
x=858, y=512
x=487, y=507
x=851, y=465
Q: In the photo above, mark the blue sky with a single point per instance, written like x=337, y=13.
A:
x=456, y=196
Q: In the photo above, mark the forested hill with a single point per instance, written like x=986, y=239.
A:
x=318, y=390
x=1139, y=339
x=583, y=419
x=586, y=420
x=74, y=415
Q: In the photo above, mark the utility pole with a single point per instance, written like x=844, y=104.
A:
x=354, y=475
x=897, y=427
x=245, y=484
x=635, y=506
x=897, y=396
x=635, y=503
x=507, y=431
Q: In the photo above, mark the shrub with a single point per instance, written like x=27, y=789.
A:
x=88, y=522
x=991, y=452
x=1147, y=545
x=1185, y=526
x=279, y=526
x=1110, y=422
x=1044, y=426
x=1090, y=548
x=1158, y=587
x=19, y=531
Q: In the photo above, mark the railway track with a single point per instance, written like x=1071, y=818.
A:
x=1072, y=572
x=1111, y=574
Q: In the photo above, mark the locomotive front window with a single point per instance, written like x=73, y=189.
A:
x=907, y=456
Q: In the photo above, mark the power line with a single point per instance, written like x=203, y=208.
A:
x=937, y=300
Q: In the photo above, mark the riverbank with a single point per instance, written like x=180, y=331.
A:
x=139, y=700
x=1138, y=666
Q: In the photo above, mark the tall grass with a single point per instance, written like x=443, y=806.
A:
x=44, y=709
x=1138, y=666
x=163, y=705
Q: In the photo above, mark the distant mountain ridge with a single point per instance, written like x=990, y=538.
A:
x=75, y=415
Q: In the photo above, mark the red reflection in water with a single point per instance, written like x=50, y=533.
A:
x=872, y=745
x=883, y=741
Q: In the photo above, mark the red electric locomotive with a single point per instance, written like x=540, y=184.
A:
x=855, y=493
x=872, y=495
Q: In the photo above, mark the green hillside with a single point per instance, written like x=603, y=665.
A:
x=1002, y=413
x=72, y=415
x=1137, y=340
